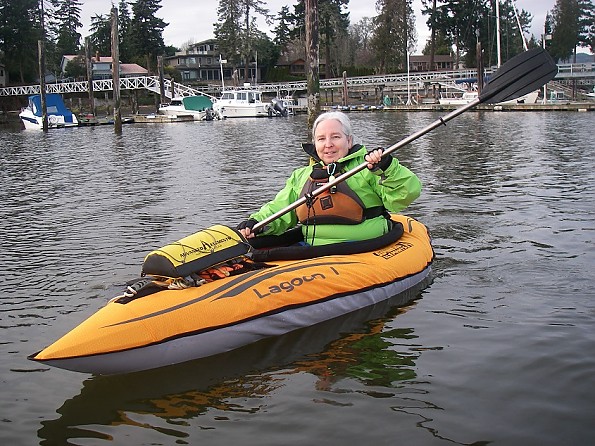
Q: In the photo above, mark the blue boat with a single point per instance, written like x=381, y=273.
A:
x=58, y=114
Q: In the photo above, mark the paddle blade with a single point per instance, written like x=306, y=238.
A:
x=522, y=74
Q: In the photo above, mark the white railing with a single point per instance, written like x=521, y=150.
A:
x=172, y=89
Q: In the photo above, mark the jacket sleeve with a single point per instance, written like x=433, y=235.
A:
x=286, y=196
x=397, y=186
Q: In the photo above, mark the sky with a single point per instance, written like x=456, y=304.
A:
x=192, y=20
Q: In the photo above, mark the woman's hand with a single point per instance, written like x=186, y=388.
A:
x=374, y=158
x=245, y=228
x=247, y=233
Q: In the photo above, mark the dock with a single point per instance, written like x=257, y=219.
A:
x=566, y=106
x=162, y=119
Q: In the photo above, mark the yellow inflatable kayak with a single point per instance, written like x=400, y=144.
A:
x=169, y=326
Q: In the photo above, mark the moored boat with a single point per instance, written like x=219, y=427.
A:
x=242, y=102
x=271, y=296
x=58, y=114
x=200, y=107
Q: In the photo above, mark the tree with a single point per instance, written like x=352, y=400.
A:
x=442, y=46
x=586, y=23
x=333, y=28
x=20, y=29
x=355, y=52
x=282, y=30
x=124, y=23
x=394, y=34
x=76, y=68
x=565, y=29
x=101, y=31
x=146, y=32
x=267, y=51
x=464, y=23
x=227, y=30
x=66, y=20
x=333, y=25
x=237, y=32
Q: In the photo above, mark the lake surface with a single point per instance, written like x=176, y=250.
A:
x=498, y=349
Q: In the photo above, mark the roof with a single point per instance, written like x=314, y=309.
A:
x=125, y=68
x=132, y=68
x=437, y=58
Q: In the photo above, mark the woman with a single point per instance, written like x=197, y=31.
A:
x=355, y=209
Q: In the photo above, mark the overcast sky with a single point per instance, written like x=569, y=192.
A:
x=193, y=20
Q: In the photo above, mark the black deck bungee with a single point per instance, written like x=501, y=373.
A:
x=270, y=248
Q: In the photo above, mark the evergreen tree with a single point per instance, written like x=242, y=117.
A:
x=394, y=34
x=565, y=29
x=146, y=32
x=282, y=30
x=66, y=20
x=101, y=34
x=586, y=23
x=124, y=22
x=333, y=28
x=464, y=23
x=442, y=46
x=236, y=32
x=20, y=29
x=227, y=30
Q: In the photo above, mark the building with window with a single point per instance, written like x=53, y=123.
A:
x=422, y=63
x=200, y=63
x=293, y=59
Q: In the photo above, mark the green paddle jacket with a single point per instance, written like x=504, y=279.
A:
x=394, y=188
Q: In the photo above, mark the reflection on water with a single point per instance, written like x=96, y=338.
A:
x=498, y=339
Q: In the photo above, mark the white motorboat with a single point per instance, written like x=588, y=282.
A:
x=58, y=115
x=200, y=107
x=243, y=102
x=463, y=99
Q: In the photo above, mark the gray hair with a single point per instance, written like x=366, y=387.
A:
x=337, y=115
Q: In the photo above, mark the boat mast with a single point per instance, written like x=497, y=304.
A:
x=518, y=22
x=221, y=62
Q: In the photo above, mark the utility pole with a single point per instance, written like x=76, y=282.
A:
x=89, y=74
x=41, y=52
x=116, y=73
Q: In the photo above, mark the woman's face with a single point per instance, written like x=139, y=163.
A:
x=330, y=141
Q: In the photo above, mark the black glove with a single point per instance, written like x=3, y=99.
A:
x=384, y=163
x=249, y=224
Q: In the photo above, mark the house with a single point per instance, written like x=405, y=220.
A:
x=293, y=59
x=3, y=75
x=101, y=67
x=422, y=63
x=200, y=63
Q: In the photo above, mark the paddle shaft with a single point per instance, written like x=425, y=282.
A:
x=520, y=75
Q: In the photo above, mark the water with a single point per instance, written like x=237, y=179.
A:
x=498, y=349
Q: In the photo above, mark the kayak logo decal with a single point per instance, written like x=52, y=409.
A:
x=255, y=281
x=398, y=248
x=290, y=285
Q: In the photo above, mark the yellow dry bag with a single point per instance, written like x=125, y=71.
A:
x=196, y=252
